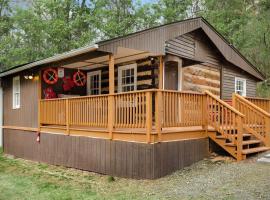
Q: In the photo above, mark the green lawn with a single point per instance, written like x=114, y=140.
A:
x=20, y=179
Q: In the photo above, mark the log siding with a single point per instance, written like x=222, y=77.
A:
x=147, y=75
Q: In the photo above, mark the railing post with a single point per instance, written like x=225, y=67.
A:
x=234, y=100
x=39, y=115
x=39, y=101
x=111, y=97
x=111, y=116
x=267, y=131
x=239, y=121
x=148, y=115
x=205, y=113
x=158, y=113
x=67, y=117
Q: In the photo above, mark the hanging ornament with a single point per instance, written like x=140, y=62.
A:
x=50, y=76
x=79, y=78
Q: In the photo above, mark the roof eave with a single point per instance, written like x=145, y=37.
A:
x=52, y=59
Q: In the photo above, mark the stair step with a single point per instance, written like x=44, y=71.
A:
x=246, y=135
x=222, y=137
x=255, y=150
x=247, y=142
x=251, y=142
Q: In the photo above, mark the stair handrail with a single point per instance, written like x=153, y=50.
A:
x=265, y=138
x=226, y=120
x=251, y=104
x=224, y=103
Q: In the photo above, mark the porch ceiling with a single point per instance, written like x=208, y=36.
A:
x=122, y=55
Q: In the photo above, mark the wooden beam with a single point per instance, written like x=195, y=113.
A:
x=239, y=121
x=158, y=113
x=67, y=116
x=148, y=115
x=161, y=70
x=39, y=99
x=111, y=109
x=267, y=131
x=111, y=74
x=32, y=129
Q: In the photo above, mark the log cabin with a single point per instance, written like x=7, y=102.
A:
x=139, y=106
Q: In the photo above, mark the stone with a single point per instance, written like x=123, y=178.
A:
x=267, y=155
x=264, y=160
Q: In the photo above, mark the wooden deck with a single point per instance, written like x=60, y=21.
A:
x=131, y=134
x=152, y=116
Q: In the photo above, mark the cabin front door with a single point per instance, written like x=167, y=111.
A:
x=172, y=74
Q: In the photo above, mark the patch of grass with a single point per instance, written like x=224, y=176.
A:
x=21, y=179
x=111, y=179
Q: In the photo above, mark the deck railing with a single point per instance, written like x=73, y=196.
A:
x=53, y=111
x=79, y=111
x=130, y=109
x=226, y=120
x=260, y=102
x=88, y=111
x=181, y=109
x=153, y=110
x=137, y=109
x=256, y=120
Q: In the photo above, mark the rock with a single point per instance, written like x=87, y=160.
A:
x=267, y=155
x=264, y=160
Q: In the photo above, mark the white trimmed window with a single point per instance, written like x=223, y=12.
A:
x=94, y=82
x=127, y=78
x=16, y=92
x=240, y=86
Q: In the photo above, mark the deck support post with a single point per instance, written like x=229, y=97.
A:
x=233, y=100
x=39, y=101
x=67, y=117
x=205, y=114
x=148, y=116
x=161, y=71
x=267, y=131
x=111, y=97
x=158, y=113
x=239, y=121
x=158, y=99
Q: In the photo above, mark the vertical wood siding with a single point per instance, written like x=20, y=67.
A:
x=197, y=46
x=151, y=40
x=228, y=81
x=115, y=158
x=27, y=114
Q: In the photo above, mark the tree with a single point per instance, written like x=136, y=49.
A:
x=167, y=11
x=119, y=17
x=5, y=27
x=46, y=28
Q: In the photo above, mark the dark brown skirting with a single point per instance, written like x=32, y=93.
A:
x=115, y=158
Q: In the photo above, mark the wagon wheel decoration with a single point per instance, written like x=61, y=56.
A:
x=50, y=76
x=79, y=78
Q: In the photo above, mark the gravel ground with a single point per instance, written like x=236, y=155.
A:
x=214, y=178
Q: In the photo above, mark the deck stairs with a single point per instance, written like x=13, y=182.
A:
x=242, y=119
x=250, y=145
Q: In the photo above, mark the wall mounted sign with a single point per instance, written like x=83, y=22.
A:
x=61, y=72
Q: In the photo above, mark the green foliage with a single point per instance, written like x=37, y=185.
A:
x=167, y=11
x=48, y=27
x=111, y=179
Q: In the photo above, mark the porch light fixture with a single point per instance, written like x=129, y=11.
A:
x=30, y=76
